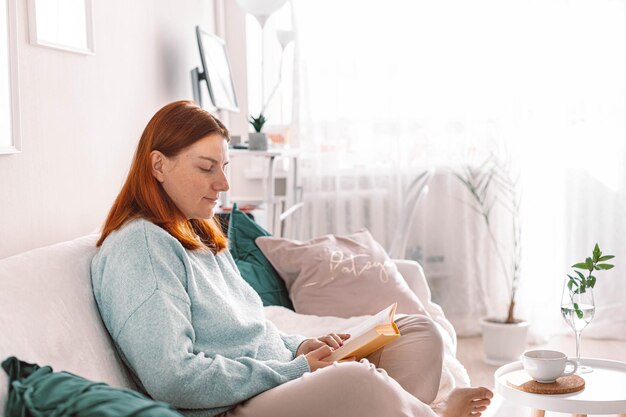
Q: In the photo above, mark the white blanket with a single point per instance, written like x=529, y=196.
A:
x=290, y=322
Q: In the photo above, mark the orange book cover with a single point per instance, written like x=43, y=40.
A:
x=369, y=336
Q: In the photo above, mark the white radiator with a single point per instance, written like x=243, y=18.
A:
x=346, y=212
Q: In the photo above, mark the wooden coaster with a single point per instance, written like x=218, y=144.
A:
x=564, y=385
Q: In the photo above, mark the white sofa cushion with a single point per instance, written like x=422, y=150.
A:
x=48, y=314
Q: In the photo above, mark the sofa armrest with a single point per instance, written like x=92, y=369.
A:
x=413, y=274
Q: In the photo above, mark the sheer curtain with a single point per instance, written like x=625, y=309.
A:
x=384, y=90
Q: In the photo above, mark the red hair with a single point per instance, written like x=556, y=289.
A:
x=173, y=128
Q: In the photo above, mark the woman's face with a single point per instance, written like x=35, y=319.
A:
x=195, y=177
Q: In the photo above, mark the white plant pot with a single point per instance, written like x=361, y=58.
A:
x=257, y=141
x=503, y=342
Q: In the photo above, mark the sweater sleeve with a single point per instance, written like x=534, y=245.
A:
x=292, y=342
x=157, y=340
x=156, y=336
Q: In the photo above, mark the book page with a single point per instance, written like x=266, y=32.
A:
x=384, y=317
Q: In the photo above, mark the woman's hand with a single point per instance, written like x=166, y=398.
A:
x=333, y=340
x=318, y=358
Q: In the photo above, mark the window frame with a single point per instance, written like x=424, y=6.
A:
x=9, y=59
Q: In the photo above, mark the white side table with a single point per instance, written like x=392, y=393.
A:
x=270, y=156
x=604, y=392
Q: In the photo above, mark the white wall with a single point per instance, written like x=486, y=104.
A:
x=234, y=32
x=82, y=115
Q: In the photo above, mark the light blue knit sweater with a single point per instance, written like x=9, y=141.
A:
x=186, y=323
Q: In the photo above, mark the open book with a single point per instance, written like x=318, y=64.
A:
x=369, y=336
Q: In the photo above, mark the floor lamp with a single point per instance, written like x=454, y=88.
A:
x=285, y=37
x=261, y=10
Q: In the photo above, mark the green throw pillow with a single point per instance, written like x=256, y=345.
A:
x=36, y=391
x=253, y=265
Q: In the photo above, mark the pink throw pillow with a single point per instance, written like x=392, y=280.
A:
x=340, y=276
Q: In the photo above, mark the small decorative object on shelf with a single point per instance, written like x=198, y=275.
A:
x=577, y=302
x=258, y=122
x=257, y=141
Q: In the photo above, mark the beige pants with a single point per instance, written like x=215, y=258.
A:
x=400, y=379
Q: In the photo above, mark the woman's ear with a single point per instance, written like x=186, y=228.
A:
x=157, y=160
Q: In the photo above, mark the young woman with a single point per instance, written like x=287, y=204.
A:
x=193, y=332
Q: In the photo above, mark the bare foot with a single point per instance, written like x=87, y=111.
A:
x=464, y=402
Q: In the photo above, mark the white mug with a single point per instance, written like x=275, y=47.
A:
x=546, y=366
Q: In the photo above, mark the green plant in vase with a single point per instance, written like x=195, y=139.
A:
x=580, y=283
x=257, y=140
x=258, y=122
x=577, y=301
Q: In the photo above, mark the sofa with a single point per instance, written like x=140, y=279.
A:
x=48, y=316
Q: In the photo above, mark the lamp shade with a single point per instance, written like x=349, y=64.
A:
x=261, y=7
x=284, y=37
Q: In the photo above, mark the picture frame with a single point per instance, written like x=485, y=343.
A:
x=216, y=70
x=10, y=132
x=62, y=24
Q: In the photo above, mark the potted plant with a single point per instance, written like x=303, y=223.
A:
x=257, y=141
x=492, y=184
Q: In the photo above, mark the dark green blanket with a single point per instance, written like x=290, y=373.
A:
x=36, y=391
x=254, y=267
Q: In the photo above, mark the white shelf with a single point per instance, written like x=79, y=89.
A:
x=257, y=174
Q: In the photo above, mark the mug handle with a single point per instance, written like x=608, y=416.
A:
x=570, y=362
